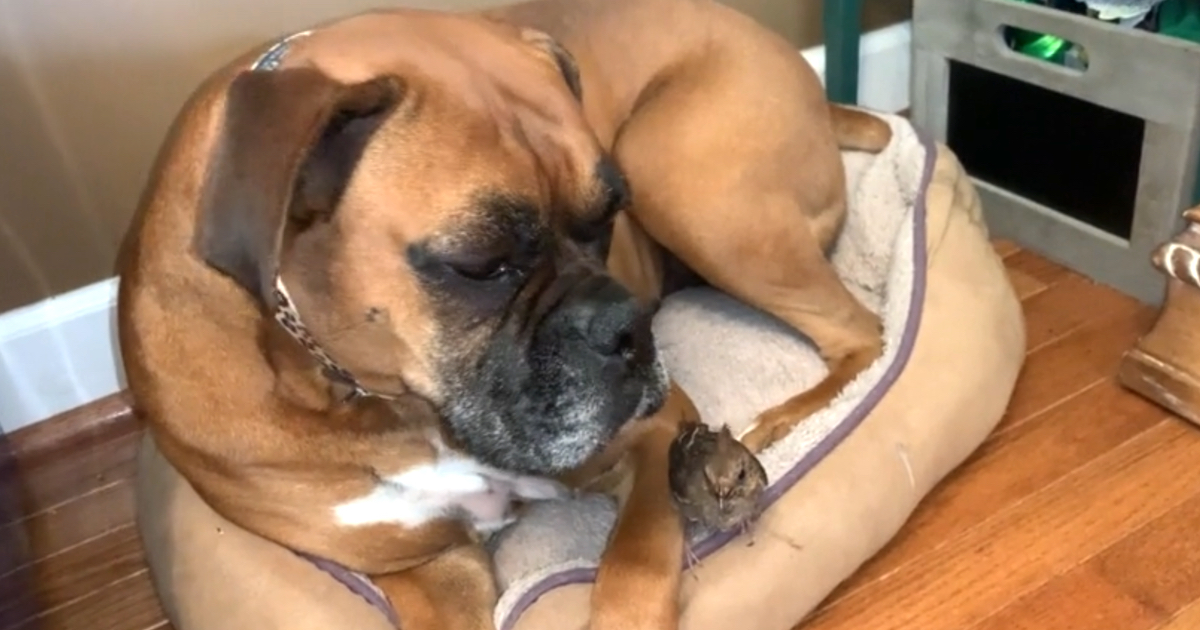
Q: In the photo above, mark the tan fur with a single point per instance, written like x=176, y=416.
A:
x=687, y=111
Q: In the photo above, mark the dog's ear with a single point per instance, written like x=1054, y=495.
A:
x=561, y=57
x=290, y=140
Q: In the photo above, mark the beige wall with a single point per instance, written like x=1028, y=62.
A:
x=88, y=87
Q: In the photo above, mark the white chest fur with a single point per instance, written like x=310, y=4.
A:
x=452, y=485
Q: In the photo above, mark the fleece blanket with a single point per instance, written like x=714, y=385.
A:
x=705, y=336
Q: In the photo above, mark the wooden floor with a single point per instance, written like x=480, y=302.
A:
x=1078, y=514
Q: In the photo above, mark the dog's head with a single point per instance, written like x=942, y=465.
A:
x=440, y=226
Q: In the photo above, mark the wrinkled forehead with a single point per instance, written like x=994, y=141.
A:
x=466, y=53
x=488, y=134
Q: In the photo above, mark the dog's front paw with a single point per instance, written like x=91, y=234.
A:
x=758, y=438
x=765, y=432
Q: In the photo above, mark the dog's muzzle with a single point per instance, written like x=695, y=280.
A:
x=560, y=379
x=601, y=317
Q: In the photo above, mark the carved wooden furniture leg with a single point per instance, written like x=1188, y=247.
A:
x=1164, y=365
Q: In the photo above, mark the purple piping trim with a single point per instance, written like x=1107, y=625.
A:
x=711, y=544
x=361, y=585
x=358, y=584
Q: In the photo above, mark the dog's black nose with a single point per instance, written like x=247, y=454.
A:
x=617, y=329
x=613, y=322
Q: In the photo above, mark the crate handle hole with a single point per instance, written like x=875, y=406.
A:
x=1044, y=47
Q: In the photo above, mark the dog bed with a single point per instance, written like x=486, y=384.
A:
x=914, y=249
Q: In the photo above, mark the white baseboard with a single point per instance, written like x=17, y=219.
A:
x=58, y=354
x=62, y=352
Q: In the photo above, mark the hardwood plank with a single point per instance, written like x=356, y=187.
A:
x=76, y=572
x=1078, y=600
x=1004, y=247
x=73, y=430
x=14, y=544
x=1070, y=305
x=1018, y=550
x=68, y=524
x=1061, y=368
x=1160, y=563
x=59, y=480
x=1036, y=267
x=14, y=587
x=1025, y=285
x=1009, y=468
x=1138, y=583
x=1188, y=619
x=129, y=603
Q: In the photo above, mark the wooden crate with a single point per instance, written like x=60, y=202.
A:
x=1151, y=77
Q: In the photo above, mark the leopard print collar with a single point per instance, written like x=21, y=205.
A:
x=273, y=57
x=285, y=312
x=289, y=319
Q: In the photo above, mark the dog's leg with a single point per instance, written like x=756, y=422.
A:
x=637, y=584
x=454, y=591
x=749, y=191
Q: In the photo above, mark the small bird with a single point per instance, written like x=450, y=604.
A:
x=715, y=480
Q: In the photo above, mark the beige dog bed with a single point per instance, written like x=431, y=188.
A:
x=914, y=249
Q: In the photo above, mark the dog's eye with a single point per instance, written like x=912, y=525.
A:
x=485, y=270
x=594, y=238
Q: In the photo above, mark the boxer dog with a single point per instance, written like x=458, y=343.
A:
x=382, y=265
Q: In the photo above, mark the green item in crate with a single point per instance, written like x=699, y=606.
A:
x=1180, y=18
x=1046, y=47
x=1040, y=45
